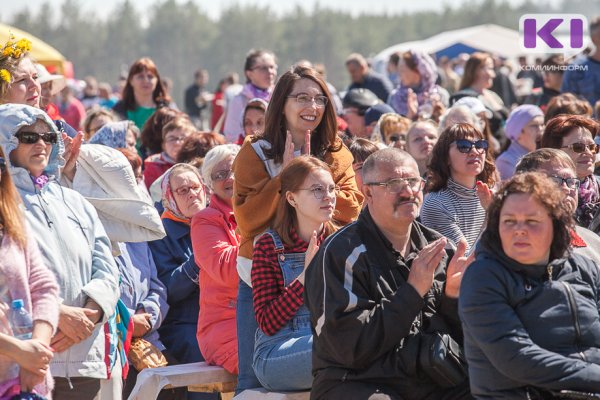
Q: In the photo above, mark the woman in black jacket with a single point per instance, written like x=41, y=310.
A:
x=529, y=307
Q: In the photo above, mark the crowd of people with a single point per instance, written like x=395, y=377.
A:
x=432, y=234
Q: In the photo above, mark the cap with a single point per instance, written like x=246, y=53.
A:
x=45, y=76
x=518, y=118
x=18, y=303
x=375, y=112
x=475, y=105
x=360, y=98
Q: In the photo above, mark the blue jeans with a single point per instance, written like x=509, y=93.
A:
x=246, y=329
x=283, y=362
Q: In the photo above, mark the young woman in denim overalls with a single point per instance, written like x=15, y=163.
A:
x=283, y=348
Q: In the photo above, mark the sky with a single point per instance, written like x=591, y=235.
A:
x=103, y=7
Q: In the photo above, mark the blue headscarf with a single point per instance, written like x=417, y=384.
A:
x=112, y=135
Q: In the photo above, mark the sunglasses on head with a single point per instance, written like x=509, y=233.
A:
x=465, y=146
x=580, y=147
x=34, y=137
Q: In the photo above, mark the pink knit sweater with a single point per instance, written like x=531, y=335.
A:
x=23, y=275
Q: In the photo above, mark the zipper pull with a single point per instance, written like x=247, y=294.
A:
x=549, y=270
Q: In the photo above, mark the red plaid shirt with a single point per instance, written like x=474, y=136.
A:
x=274, y=304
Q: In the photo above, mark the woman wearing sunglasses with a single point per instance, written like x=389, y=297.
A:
x=460, y=161
x=24, y=364
x=283, y=348
x=574, y=134
x=74, y=245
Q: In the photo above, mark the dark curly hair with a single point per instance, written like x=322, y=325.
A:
x=543, y=190
x=439, y=166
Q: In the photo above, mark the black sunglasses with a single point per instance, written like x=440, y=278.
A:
x=465, y=146
x=34, y=137
x=2, y=164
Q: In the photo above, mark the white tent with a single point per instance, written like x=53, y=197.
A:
x=489, y=38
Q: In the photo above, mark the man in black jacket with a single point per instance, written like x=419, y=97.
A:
x=377, y=286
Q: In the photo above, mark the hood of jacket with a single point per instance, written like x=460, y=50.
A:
x=13, y=117
x=105, y=178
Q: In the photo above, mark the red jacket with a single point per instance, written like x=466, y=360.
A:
x=154, y=167
x=216, y=245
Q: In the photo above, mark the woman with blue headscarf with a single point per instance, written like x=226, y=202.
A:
x=122, y=134
x=418, y=91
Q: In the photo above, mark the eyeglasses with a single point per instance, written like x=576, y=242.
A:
x=304, y=99
x=174, y=139
x=222, y=175
x=319, y=191
x=397, y=138
x=2, y=164
x=265, y=68
x=185, y=190
x=465, y=146
x=34, y=137
x=580, y=147
x=397, y=185
x=572, y=183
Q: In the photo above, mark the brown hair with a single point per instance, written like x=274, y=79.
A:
x=409, y=61
x=560, y=126
x=11, y=216
x=179, y=122
x=160, y=96
x=91, y=115
x=473, y=64
x=252, y=56
x=134, y=160
x=292, y=178
x=151, y=136
x=567, y=103
x=544, y=191
x=197, y=145
x=439, y=171
x=323, y=139
x=390, y=123
x=539, y=158
x=361, y=148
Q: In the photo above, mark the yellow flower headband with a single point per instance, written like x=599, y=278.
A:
x=15, y=49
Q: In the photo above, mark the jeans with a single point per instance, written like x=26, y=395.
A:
x=246, y=329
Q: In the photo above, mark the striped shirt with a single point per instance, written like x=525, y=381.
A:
x=455, y=212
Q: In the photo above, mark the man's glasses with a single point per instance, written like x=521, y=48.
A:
x=465, y=146
x=304, y=99
x=2, y=164
x=397, y=185
x=185, y=190
x=265, y=68
x=580, y=147
x=222, y=175
x=319, y=191
x=34, y=137
x=572, y=183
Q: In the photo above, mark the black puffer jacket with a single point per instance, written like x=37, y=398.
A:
x=530, y=325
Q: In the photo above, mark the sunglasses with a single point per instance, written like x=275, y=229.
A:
x=2, y=164
x=580, y=147
x=34, y=137
x=465, y=146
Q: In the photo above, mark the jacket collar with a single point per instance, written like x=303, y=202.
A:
x=176, y=230
x=222, y=207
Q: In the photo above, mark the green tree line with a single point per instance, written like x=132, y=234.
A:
x=181, y=37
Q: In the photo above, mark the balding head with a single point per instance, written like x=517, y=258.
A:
x=384, y=160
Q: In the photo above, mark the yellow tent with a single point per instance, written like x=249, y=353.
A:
x=40, y=51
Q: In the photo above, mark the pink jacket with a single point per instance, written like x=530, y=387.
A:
x=216, y=246
x=23, y=275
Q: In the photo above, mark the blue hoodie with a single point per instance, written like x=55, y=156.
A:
x=72, y=240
